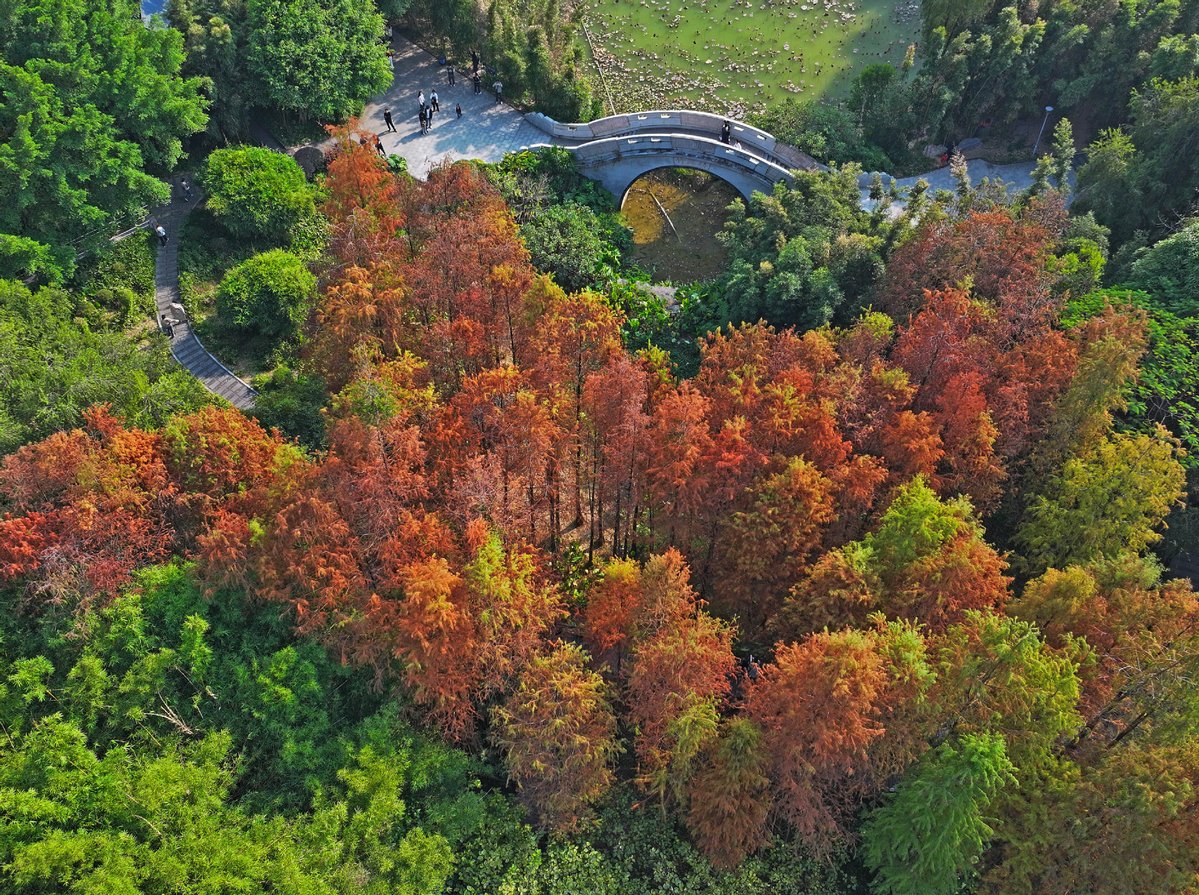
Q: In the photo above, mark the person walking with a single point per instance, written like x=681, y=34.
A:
x=420, y=98
x=726, y=131
x=474, y=61
x=187, y=189
x=391, y=128
x=162, y=234
x=478, y=82
x=451, y=74
x=433, y=101
x=458, y=109
x=498, y=87
x=379, y=146
x=424, y=120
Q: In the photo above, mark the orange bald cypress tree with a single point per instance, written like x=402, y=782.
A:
x=437, y=642
x=363, y=202
x=515, y=605
x=1003, y=255
x=613, y=606
x=681, y=664
x=766, y=548
x=818, y=706
x=615, y=402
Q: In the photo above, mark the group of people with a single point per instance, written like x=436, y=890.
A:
x=428, y=107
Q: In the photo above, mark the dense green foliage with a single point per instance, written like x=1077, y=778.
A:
x=567, y=242
x=1167, y=390
x=801, y=257
x=1144, y=179
x=1169, y=272
x=292, y=402
x=569, y=223
x=924, y=839
x=268, y=296
x=531, y=47
x=994, y=58
x=790, y=260
x=317, y=59
x=826, y=132
x=58, y=357
x=120, y=279
x=92, y=105
x=208, y=700
x=258, y=194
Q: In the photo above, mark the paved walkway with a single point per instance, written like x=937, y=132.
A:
x=185, y=346
x=1017, y=176
x=487, y=130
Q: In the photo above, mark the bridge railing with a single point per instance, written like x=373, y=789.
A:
x=706, y=124
x=682, y=146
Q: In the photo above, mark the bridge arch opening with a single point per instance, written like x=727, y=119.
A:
x=699, y=175
x=675, y=214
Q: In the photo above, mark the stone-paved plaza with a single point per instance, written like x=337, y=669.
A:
x=487, y=130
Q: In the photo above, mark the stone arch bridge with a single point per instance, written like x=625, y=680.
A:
x=619, y=149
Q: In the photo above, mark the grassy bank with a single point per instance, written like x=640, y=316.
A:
x=734, y=56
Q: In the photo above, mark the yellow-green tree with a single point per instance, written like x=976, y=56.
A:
x=925, y=837
x=1106, y=502
x=558, y=735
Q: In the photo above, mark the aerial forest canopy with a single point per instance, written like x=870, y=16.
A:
x=776, y=626
x=857, y=569
x=92, y=106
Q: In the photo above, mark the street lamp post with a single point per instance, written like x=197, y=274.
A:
x=1041, y=132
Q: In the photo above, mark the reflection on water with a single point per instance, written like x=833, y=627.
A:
x=695, y=202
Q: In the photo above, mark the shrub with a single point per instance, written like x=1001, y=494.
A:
x=258, y=194
x=567, y=242
x=120, y=279
x=268, y=295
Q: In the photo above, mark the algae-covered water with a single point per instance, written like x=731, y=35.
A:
x=733, y=56
x=696, y=204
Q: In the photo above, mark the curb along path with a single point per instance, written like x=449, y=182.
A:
x=186, y=348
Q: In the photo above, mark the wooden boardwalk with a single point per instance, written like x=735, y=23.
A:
x=186, y=347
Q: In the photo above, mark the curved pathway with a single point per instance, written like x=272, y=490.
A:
x=186, y=347
x=619, y=149
x=489, y=130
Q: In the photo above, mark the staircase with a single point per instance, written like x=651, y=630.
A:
x=186, y=347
